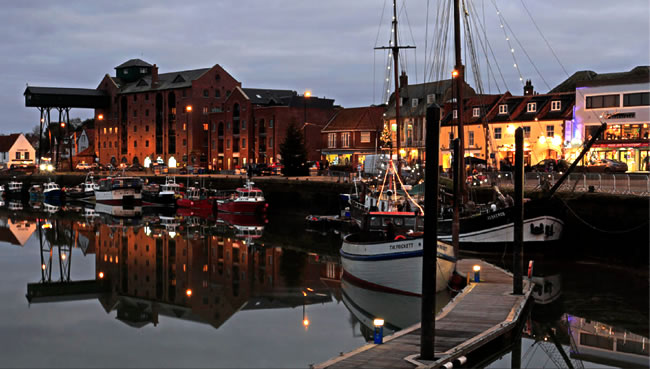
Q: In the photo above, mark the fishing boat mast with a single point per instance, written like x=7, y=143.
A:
x=394, y=48
x=459, y=171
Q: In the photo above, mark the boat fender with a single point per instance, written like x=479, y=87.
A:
x=399, y=237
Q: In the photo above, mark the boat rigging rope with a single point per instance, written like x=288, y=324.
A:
x=503, y=21
x=544, y=38
x=512, y=50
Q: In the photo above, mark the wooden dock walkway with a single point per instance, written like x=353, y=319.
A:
x=481, y=313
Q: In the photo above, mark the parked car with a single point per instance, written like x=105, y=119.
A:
x=83, y=166
x=551, y=165
x=159, y=168
x=607, y=166
x=135, y=167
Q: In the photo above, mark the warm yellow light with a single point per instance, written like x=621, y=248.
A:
x=645, y=125
x=542, y=139
x=393, y=127
x=510, y=129
x=304, y=293
x=454, y=73
x=100, y=117
x=476, y=268
x=557, y=141
x=402, y=152
x=305, y=322
x=188, y=108
x=188, y=292
x=307, y=93
x=62, y=256
x=378, y=322
x=43, y=266
x=62, y=124
x=101, y=275
x=309, y=289
x=46, y=225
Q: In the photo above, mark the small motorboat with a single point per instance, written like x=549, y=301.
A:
x=196, y=198
x=51, y=191
x=244, y=200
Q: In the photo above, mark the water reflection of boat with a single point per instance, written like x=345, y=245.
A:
x=547, y=289
x=395, y=265
x=245, y=225
x=604, y=344
x=119, y=211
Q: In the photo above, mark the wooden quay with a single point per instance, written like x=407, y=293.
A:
x=479, y=314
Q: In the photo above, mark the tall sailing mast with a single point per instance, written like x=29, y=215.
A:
x=395, y=53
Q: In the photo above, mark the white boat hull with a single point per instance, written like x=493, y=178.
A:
x=118, y=196
x=505, y=232
x=394, y=266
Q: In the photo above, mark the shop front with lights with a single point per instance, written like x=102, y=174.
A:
x=628, y=143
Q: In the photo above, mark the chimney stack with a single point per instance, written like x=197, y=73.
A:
x=154, y=76
x=528, y=88
x=403, y=80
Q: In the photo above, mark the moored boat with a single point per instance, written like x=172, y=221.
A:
x=196, y=198
x=84, y=190
x=51, y=191
x=244, y=200
x=119, y=191
x=164, y=194
x=14, y=189
x=393, y=265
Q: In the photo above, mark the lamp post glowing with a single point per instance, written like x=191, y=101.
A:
x=101, y=275
x=189, y=292
x=306, y=96
x=379, y=331
x=188, y=110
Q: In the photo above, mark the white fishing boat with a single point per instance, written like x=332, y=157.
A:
x=119, y=191
x=393, y=265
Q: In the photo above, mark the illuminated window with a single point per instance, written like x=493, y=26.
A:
x=550, y=130
x=331, y=140
x=476, y=112
x=110, y=130
x=555, y=105
x=531, y=107
x=345, y=139
x=104, y=130
x=503, y=109
x=365, y=137
x=205, y=126
x=454, y=114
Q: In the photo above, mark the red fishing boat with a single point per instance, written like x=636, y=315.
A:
x=196, y=198
x=244, y=200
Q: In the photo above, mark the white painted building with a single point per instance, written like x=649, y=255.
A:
x=622, y=100
x=15, y=149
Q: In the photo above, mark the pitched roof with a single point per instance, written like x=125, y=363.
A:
x=368, y=118
x=134, y=63
x=7, y=141
x=165, y=81
x=638, y=74
x=260, y=96
x=421, y=91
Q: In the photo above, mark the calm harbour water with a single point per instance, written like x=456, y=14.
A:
x=82, y=289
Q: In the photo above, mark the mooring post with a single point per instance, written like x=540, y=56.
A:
x=518, y=248
x=430, y=240
x=455, y=222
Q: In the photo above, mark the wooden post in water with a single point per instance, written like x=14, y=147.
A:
x=430, y=240
x=515, y=355
x=457, y=182
x=518, y=248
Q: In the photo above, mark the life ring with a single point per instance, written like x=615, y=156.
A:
x=399, y=237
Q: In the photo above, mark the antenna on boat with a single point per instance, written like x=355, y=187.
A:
x=394, y=48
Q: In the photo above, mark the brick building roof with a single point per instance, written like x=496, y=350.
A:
x=166, y=81
x=368, y=118
x=134, y=63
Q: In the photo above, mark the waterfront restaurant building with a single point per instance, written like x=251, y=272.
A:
x=15, y=149
x=622, y=100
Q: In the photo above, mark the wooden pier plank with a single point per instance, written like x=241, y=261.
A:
x=483, y=311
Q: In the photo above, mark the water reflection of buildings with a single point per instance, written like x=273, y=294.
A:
x=16, y=232
x=190, y=273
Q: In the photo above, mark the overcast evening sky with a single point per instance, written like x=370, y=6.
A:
x=324, y=46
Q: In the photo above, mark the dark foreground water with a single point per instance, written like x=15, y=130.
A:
x=88, y=289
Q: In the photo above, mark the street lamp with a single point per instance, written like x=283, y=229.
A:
x=188, y=110
x=306, y=96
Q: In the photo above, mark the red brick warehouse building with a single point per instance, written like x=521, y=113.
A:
x=199, y=117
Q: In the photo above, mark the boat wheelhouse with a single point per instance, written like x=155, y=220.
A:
x=244, y=200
